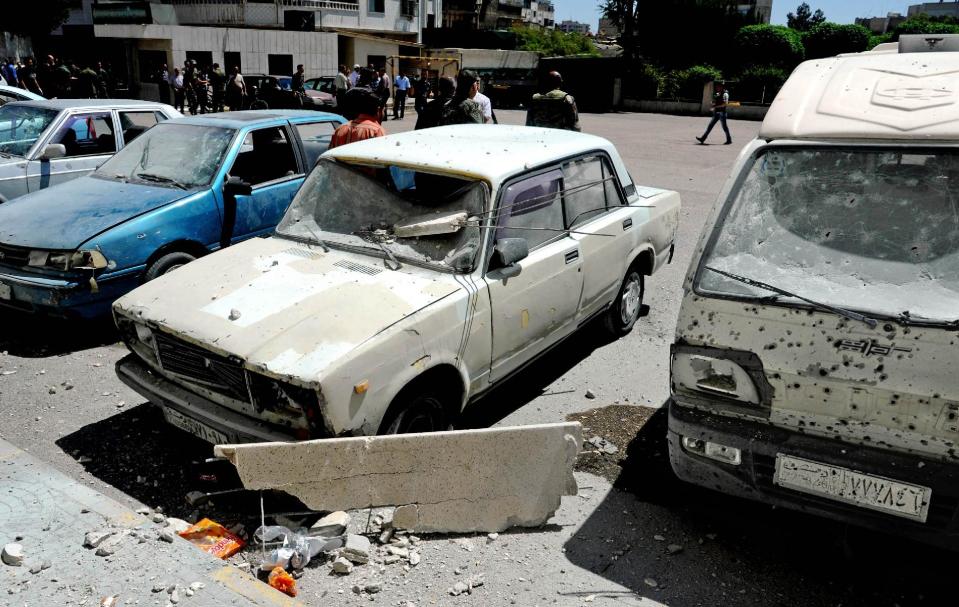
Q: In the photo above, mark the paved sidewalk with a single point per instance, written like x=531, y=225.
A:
x=52, y=513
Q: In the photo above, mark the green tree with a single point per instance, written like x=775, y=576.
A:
x=829, y=39
x=804, y=19
x=922, y=24
x=36, y=17
x=769, y=45
x=552, y=42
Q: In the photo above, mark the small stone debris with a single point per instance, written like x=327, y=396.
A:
x=158, y=588
x=357, y=549
x=659, y=538
x=166, y=535
x=590, y=394
x=175, y=595
x=459, y=588
x=589, y=598
x=83, y=459
x=12, y=555
x=651, y=582
x=398, y=551
x=414, y=558
x=234, y=314
x=342, y=566
x=332, y=525
x=144, y=511
x=491, y=537
x=67, y=385
x=159, y=518
x=197, y=586
x=464, y=543
x=391, y=559
x=386, y=535
x=601, y=444
x=93, y=539
x=674, y=549
x=177, y=525
x=52, y=390
x=372, y=588
x=194, y=497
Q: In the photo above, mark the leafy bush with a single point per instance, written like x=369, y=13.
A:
x=772, y=45
x=759, y=84
x=646, y=82
x=877, y=39
x=924, y=25
x=688, y=83
x=553, y=43
x=830, y=39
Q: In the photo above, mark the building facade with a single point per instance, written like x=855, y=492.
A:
x=607, y=29
x=881, y=25
x=762, y=9
x=570, y=26
x=934, y=9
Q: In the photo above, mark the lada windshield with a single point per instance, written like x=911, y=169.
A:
x=21, y=126
x=875, y=230
x=173, y=155
x=361, y=207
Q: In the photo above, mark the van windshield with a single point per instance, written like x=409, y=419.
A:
x=871, y=230
x=362, y=207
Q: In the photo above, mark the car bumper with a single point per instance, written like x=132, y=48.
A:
x=236, y=427
x=68, y=298
x=760, y=443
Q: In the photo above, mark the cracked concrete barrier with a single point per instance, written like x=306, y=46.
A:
x=456, y=482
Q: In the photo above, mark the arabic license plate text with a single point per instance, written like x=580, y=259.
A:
x=195, y=428
x=845, y=485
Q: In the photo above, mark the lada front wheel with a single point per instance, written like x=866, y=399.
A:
x=625, y=309
x=424, y=412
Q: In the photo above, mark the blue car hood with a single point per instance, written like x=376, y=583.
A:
x=65, y=216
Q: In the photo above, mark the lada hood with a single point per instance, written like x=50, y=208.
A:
x=284, y=307
x=67, y=215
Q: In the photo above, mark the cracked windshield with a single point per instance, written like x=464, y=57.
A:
x=21, y=126
x=860, y=229
x=396, y=213
x=158, y=156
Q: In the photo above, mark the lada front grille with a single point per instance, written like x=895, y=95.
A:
x=212, y=371
x=14, y=256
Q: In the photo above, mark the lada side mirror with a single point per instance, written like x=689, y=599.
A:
x=507, y=253
x=53, y=150
x=235, y=186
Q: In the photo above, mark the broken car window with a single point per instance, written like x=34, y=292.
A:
x=21, y=126
x=872, y=230
x=177, y=155
x=358, y=206
x=87, y=134
x=266, y=155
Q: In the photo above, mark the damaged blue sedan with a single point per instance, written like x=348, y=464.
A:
x=184, y=188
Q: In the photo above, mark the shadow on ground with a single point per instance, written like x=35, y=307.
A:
x=34, y=336
x=735, y=552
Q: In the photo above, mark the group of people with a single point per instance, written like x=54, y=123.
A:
x=202, y=89
x=363, y=99
x=58, y=78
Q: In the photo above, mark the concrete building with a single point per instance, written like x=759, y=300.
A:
x=881, y=25
x=934, y=9
x=763, y=9
x=496, y=14
x=539, y=13
x=259, y=36
x=570, y=26
x=607, y=29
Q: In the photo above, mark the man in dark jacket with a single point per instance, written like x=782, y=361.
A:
x=431, y=114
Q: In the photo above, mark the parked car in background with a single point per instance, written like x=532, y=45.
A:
x=815, y=358
x=322, y=89
x=47, y=142
x=15, y=93
x=184, y=188
x=276, y=92
x=411, y=274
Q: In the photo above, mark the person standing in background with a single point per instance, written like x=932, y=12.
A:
x=163, y=83
x=236, y=90
x=342, y=84
x=365, y=125
x=102, y=80
x=485, y=104
x=463, y=109
x=402, y=86
x=87, y=83
x=10, y=72
x=421, y=92
x=176, y=81
x=354, y=75
x=218, y=83
x=28, y=77
x=297, y=81
x=430, y=116
x=382, y=90
x=555, y=109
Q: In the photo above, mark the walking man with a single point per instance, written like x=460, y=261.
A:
x=421, y=92
x=720, y=100
x=555, y=109
x=402, y=86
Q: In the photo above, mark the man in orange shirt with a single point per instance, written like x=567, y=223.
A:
x=366, y=125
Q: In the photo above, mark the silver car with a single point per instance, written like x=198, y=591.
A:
x=43, y=143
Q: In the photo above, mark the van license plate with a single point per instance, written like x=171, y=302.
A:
x=5, y=291
x=195, y=428
x=844, y=485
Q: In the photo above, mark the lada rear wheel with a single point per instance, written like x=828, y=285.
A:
x=166, y=264
x=424, y=412
x=625, y=309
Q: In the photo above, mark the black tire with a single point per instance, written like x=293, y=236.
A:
x=417, y=411
x=259, y=104
x=625, y=309
x=167, y=263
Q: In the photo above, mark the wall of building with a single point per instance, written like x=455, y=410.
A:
x=360, y=50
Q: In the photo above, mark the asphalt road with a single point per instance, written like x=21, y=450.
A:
x=60, y=400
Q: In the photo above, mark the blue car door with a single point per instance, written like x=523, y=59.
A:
x=267, y=161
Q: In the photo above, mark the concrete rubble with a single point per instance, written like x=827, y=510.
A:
x=456, y=482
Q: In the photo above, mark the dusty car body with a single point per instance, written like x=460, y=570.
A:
x=815, y=348
x=185, y=187
x=47, y=142
x=410, y=275
x=15, y=93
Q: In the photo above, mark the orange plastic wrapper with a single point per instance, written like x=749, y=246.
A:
x=282, y=581
x=213, y=538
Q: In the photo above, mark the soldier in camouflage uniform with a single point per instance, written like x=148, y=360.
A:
x=554, y=109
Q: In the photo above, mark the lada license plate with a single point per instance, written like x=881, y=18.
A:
x=5, y=291
x=845, y=485
x=195, y=428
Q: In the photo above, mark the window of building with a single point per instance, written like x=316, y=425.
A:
x=266, y=155
x=377, y=6
x=280, y=65
x=87, y=134
x=232, y=60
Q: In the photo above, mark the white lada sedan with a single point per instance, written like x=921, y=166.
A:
x=410, y=275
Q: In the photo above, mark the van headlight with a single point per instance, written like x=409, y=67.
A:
x=700, y=370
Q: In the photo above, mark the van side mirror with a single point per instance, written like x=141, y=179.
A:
x=235, y=186
x=507, y=253
x=53, y=150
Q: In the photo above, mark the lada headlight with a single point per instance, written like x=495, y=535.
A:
x=288, y=400
x=138, y=337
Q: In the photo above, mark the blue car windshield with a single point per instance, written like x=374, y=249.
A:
x=21, y=126
x=184, y=156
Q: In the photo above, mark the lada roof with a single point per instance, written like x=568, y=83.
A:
x=874, y=95
x=484, y=151
x=236, y=120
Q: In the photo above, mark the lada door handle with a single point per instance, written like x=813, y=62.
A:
x=572, y=256
x=627, y=223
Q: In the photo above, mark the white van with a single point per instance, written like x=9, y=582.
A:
x=815, y=361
